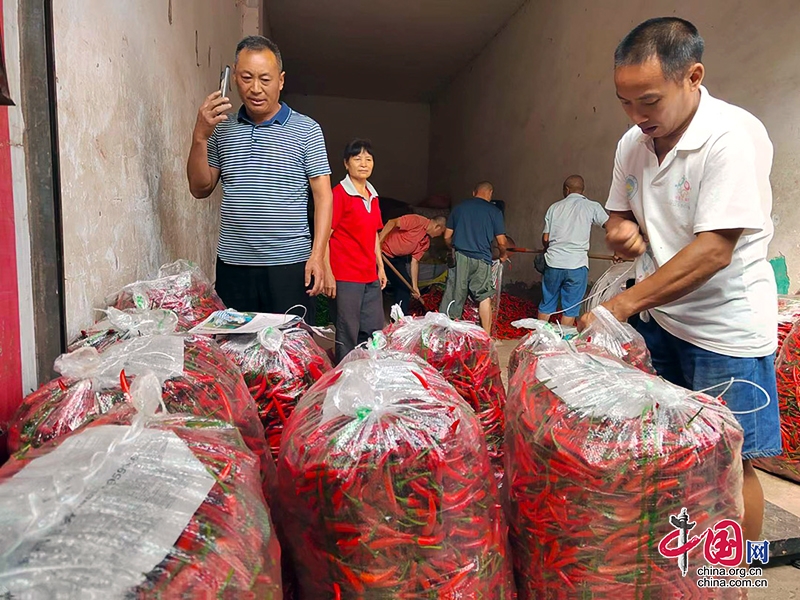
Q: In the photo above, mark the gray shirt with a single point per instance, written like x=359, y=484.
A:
x=569, y=224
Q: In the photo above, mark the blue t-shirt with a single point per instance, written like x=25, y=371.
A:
x=475, y=224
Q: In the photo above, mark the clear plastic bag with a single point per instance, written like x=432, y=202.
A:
x=385, y=488
x=180, y=287
x=138, y=506
x=787, y=372
x=467, y=358
x=605, y=331
x=122, y=325
x=543, y=337
x=197, y=378
x=599, y=456
x=278, y=367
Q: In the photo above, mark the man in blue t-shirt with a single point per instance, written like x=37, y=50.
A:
x=471, y=228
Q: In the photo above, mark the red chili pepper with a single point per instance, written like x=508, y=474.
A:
x=283, y=375
x=228, y=544
x=593, y=477
x=123, y=382
x=210, y=386
x=388, y=482
x=787, y=371
x=468, y=360
x=181, y=288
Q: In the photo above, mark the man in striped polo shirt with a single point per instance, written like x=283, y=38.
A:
x=267, y=156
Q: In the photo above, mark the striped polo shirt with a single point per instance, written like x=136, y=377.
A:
x=265, y=170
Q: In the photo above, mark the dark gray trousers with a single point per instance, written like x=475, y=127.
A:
x=359, y=314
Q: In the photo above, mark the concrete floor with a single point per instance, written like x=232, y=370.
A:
x=784, y=580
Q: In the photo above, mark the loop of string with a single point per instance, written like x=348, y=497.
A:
x=728, y=385
x=449, y=306
x=291, y=308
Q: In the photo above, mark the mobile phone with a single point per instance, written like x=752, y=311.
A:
x=225, y=81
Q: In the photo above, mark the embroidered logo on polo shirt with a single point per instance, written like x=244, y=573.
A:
x=631, y=186
x=682, y=191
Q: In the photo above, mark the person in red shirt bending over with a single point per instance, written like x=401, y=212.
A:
x=404, y=238
x=354, y=251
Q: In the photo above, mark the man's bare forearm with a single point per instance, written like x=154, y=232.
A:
x=323, y=212
x=201, y=176
x=390, y=224
x=378, y=253
x=414, y=273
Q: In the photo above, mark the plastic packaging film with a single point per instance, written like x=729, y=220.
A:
x=385, y=488
x=599, y=456
x=467, y=358
x=278, y=367
x=137, y=505
x=180, y=287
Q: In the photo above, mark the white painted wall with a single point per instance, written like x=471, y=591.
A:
x=538, y=104
x=129, y=86
x=399, y=133
x=22, y=231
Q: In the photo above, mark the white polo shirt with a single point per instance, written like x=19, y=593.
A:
x=716, y=177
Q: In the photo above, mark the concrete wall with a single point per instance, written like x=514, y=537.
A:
x=399, y=133
x=131, y=76
x=538, y=104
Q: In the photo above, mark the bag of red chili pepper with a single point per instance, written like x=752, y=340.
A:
x=605, y=331
x=467, y=358
x=787, y=371
x=138, y=506
x=278, y=367
x=198, y=378
x=788, y=315
x=180, y=287
x=599, y=456
x=385, y=488
x=543, y=337
x=120, y=325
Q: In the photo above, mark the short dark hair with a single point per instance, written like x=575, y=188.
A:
x=256, y=43
x=356, y=147
x=676, y=43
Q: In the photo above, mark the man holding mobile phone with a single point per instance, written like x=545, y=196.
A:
x=268, y=157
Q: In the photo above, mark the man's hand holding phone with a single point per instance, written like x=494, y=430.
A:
x=214, y=110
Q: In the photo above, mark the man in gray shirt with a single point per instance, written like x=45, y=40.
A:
x=567, y=228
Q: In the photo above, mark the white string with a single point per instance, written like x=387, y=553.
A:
x=728, y=385
x=449, y=306
x=597, y=293
x=305, y=311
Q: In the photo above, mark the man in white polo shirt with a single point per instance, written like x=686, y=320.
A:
x=691, y=197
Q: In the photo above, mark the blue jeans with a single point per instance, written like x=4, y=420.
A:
x=569, y=284
x=688, y=366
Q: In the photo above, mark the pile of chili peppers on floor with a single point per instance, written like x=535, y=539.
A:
x=278, y=367
x=385, y=488
x=228, y=549
x=467, y=358
x=180, y=287
x=120, y=325
x=599, y=456
x=787, y=371
x=210, y=386
x=511, y=308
